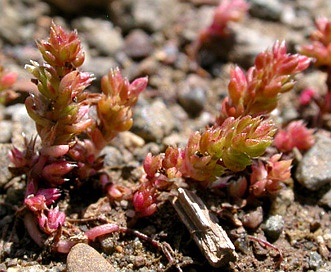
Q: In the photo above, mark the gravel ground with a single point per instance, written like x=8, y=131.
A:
x=152, y=37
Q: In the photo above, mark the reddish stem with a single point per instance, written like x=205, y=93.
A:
x=267, y=244
x=32, y=229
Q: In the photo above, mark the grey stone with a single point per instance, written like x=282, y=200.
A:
x=154, y=14
x=82, y=257
x=19, y=115
x=138, y=44
x=5, y=131
x=113, y=157
x=17, y=20
x=270, y=10
x=98, y=66
x=140, y=153
x=249, y=43
x=100, y=34
x=282, y=201
x=192, y=94
x=315, y=260
x=76, y=6
x=5, y=174
x=326, y=199
x=314, y=170
x=152, y=121
x=274, y=227
x=31, y=268
x=195, y=20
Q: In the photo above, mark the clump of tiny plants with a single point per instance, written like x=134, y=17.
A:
x=218, y=32
x=320, y=51
x=74, y=125
x=241, y=134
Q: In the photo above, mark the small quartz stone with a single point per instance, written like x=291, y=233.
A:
x=82, y=257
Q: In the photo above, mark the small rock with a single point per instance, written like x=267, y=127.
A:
x=99, y=66
x=270, y=10
x=32, y=268
x=154, y=14
x=314, y=170
x=16, y=19
x=140, y=153
x=192, y=94
x=76, y=6
x=295, y=17
x=326, y=199
x=274, y=227
x=315, y=260
x=249, y=42
x=253, y=219
x=5, y=174
x=108, y=244
x=138, y=44
x=113, y=157
x=100, y=34
x=175, y=139
x=5, y=131
x=282, y=201
x=152, y=121
x=19, y=115
x=195, y=20
x=82, y=257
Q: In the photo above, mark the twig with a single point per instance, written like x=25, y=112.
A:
x=211, y=239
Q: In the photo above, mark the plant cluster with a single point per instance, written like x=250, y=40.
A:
x=320, y=51
x=227, y=11
x=241, y=133
x=74, y=125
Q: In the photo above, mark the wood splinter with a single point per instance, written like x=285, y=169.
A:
x=211, y=239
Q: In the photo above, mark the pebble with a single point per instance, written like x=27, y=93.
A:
x=274, y=227
x=315, y=260
x=107, y=243
x=76, y=6
x=100, y=34
x=249, y=42
x=314, y=170
x=32, y=268
x=253, y=219
x=113, y=157
x=154, y=15
x=151, y=147
x=17, y=20
x=326, y=200
x=152, y=121
x=19, y=115
x=5, y=174
x=129, y=140
x=138, y=44
x=192, y=95
x=269, y=10
x=282, y=201
x=5, y=131
x=82, y=257
x=294, y=17
x=98, y=66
